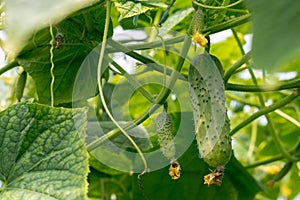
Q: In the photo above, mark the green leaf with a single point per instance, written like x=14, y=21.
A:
x=42, y=153
x=110, y=186
x=159, y=185
x=132, y=8
x=74, y=52
x=276, y=27
x=174, y=19
x=24, y=17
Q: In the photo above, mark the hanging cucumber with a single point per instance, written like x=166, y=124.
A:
x=20, y=85
x=164, y=128
x=207, y=95
x=195, y=29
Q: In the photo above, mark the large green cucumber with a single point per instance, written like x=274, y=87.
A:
x=207, y=94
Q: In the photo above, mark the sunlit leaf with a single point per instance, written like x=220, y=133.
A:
x=42, y=153
x=24, y=17
x=75, y=52
x=174, y=19
x=132, y=8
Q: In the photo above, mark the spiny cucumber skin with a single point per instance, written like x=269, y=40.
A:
x=164, y=128
x=207, y=94
x=197, y=23
x=222, y=151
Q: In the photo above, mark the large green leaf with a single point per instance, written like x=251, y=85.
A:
x=42, y=153
x=23, y=17
x=237, y=183
x=79, y=39
x=276, y=27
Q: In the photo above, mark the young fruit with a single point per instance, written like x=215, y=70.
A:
x=164, y=128
x=196, y=28
x=197, y=22
x=20, y=85
x=207, y=94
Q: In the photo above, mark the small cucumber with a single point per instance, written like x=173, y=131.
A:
x=207, y=94
x=164, y=128
x=197, y=21
x=195, y=29
x=20, y=85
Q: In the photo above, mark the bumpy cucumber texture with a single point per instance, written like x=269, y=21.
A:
x=164, y=128
x=207, y=95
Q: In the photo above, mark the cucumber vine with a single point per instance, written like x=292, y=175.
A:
x=209, y=87
x=52, y=63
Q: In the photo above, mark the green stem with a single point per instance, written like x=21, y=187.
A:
x=101, y=58
x=213, y=29
x=8, y=67
x=139, y=57
x=287, y=117
x=235, y=66
x=227, y=25
x=137, y=85
x=276, y=139
x=217, y=7
x=271, y=126
x=266, y=110
x=273, y=131
x=147, y=45
x=158, y=101
x=264, y=88
x=264, y=162
x=240, y=45
x=286, y=168
x=294, y=151
x=241, y=99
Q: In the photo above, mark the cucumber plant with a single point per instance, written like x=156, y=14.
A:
x=94, y=24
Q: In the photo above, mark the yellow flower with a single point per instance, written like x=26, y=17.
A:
x=174, y=170
x=200, y=39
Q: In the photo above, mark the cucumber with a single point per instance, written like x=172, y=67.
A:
x=164, y=129
x=20, y=85
x=197, y=23
x=196, y=27
x=212, y=127
x=165, y=138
